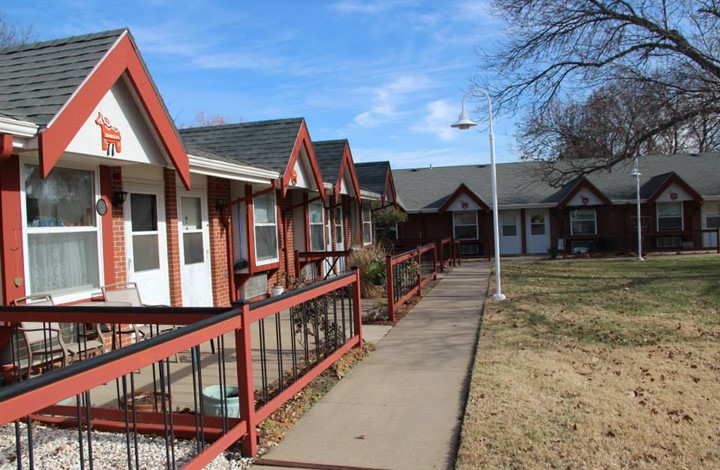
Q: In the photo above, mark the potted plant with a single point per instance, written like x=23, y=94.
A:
x=277, y=289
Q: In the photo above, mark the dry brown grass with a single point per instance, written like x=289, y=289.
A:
x=608, y=364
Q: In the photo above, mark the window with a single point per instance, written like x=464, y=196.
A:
x=193, y=250
x=317, y=227
x=465, y=225
x=537, y=223
x=339, y=232
x=712, y=216
x=509, y=226
x=266, y=243
x=669, y=216
x=62, y=233
x=583, y=221
x=367, y=223
x=145, y=233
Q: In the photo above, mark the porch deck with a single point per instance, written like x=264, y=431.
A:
x=181, y=373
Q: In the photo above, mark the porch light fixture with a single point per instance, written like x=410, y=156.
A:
x=636, y=173
x=219, y=203
x=463, y=123
x=118, y=198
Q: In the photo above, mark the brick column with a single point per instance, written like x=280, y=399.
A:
x=173, y=241
x=219, y=189
x=287, y=236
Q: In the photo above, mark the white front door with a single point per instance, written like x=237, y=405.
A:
x=510, y=236
x=194, y=235
x=145, y=243
x=537, y=231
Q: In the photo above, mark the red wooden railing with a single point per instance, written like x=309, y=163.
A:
x=407, y=274
x=447, y=249
x=330, y=308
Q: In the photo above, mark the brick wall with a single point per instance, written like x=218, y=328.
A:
x=347, y=221
x=173, y=242
x=118, y=230
x=287, y=239
x=218, y=189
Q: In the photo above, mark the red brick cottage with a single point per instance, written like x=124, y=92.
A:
x=680, y=203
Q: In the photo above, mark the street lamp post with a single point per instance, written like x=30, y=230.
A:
x=464, y=122
x=636, y=173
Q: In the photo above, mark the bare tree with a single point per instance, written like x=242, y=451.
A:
x=650, y=69
x=203, y=121
x=12, y=34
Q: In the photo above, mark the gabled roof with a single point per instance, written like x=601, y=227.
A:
x=521, y=184
x=463, y=189
x=372, y=176
x=37, y=79
x=335, y=161
x=572, y=188
x=655, y=187
x=274, y=145
x=57, y=85
x=378, y=178
x=329, y=154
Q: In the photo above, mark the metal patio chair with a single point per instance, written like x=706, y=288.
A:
x=41, y=344
x=128, y=292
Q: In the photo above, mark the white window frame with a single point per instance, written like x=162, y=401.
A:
x=339, y=224
x=28, y=231
x=536, y=224
x=573, y=219
x=477, y=229
x=256, y=224
x=367, y=222
x=711, y=213
x=317, y=225
x=514, y=223
x=658, y=217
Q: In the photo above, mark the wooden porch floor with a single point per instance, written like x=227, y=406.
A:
x=182, y=374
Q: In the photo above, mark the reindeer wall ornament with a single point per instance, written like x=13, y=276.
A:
x=109, y=135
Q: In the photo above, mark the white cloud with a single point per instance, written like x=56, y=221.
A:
x=358, y=6
x=239, y=60
x=437, y=121
x=386, y=98
x=472, y=10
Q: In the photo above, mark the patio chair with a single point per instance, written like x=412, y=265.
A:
x=128, y=292
x=42, y=344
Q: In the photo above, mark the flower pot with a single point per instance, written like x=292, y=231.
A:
x=276, y=291
x=213, y=401
x=147, y=402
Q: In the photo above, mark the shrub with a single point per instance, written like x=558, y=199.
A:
x=371, y=261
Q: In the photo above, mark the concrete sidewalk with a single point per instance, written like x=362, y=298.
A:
x=402, y=407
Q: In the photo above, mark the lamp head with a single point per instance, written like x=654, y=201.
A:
x=464, y=122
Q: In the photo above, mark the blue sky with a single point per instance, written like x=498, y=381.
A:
x=386, y=74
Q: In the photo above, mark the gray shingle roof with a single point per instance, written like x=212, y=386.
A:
x=371, y=176
x=520, y=183
x=329, y=155
x=265, y=144
x=37, y=79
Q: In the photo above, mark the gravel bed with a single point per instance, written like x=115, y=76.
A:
x=58, y=449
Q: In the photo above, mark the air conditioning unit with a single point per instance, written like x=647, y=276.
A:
x=469, y=249
x=669, y=242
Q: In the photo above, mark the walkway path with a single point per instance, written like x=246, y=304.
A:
x=402, y=407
